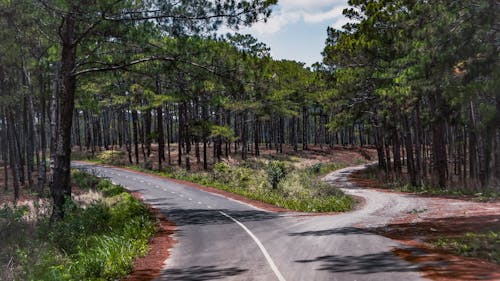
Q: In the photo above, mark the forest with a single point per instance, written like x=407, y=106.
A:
x=158, y=88
x=417, y=81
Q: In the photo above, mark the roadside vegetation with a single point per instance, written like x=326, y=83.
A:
x=283, y=181
x=383, y=180
x=104, y=229
x=478, y=245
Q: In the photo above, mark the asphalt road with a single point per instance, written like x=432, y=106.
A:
x=223, y=239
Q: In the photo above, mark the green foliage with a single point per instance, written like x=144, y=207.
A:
x=299, y=190
x=84, y=180
x=98, y=242
x=323, y=168
x=471, y=244
x=276, y=171
x=111, y=157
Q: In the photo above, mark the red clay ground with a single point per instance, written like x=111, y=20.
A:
x=444, y=217
x=149, y=267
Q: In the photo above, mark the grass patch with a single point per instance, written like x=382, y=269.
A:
x=95, y=241
x=300, y=190
x=477, y=245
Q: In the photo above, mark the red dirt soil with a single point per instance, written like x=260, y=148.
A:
x=150, y=266
x=444, y=217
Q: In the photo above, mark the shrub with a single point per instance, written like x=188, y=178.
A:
x=98, y=242
x=276, y=172
x=112, y=157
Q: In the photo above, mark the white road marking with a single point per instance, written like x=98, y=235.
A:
x=199, y=202
x=164, y=189
x=190, y=199
x=181, y=195
x=210, y=207
x=172, y=192
x=261, y=247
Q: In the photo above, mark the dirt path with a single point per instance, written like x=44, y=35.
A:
x=430, y=218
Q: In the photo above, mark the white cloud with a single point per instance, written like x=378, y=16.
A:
x=323, y=16
x=310, y=4
x=293, y=11
x=339, y=22
x=275, y=23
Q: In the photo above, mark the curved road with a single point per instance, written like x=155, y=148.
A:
x=223, y=239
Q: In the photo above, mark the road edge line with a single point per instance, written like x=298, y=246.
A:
x=261, y=247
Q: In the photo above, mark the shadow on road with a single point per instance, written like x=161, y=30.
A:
x=211, y=216
x=200, y=273
x=364, y=264
x=333, y=231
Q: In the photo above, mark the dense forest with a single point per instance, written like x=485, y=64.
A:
x=417, y=80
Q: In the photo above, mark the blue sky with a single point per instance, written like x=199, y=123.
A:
x=297, y=28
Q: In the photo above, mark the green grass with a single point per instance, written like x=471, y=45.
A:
x=98, y=242
x=478, y=245
x=300, y=190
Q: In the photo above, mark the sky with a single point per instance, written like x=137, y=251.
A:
x=297, y=28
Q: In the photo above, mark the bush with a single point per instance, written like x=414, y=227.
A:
x=479, y=245
x=98, y=242
x=112, y=157
x=276, y=172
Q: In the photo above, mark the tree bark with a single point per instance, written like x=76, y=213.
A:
x=161, y=137
x=61, y=182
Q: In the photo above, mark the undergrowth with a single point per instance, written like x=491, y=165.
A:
x=401, y=184
x=478, y=245
x=275, y=181
x=96, y=241
x=295, y=189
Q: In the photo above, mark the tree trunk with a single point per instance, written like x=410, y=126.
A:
x=61, y=185
x=14, y=162
x=161, y=137
x=5, y=150
x=135, y=134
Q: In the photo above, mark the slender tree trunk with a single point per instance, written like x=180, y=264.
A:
x=409, y=153
x=180, y=138
x=13, y=155
x=169, y=134
x=304, y=128
x=54, y=115
x=161, y=137
x=256, y=135
x=5, y=150
x=135, y=135
x=243, y=136
x=147, y=131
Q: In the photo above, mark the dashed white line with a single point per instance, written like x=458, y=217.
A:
x=199, y=202
x=261, y=247
x=190, y=199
